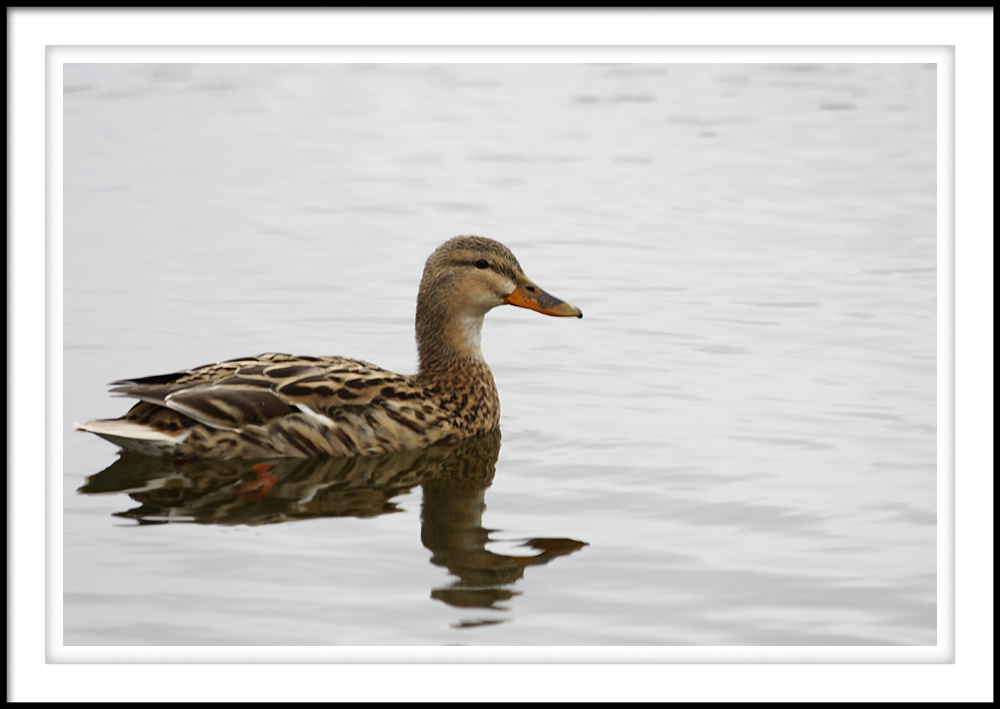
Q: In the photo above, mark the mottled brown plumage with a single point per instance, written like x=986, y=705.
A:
x=280, y=405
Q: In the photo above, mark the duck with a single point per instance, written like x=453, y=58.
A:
x=277, y=405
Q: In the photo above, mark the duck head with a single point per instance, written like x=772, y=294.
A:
x=464, y=279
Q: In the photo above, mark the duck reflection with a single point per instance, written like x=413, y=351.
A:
x=454, y=481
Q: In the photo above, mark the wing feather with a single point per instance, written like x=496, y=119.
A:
x=257, y=390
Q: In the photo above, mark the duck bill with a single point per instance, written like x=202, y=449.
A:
x=528, y=295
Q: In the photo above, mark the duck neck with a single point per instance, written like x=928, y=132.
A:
x=447, y=340
x=452, y=363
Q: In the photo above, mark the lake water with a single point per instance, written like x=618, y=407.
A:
x=735, y=446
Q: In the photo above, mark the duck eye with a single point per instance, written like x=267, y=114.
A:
x=482, y=263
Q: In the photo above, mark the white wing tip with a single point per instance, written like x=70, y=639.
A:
x=118, y=428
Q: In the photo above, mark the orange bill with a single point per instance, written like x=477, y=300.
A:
x=528, y=295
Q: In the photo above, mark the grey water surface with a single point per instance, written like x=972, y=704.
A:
x=735, y=446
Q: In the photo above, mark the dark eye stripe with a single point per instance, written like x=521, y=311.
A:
x=502, y=269
x=480, y=263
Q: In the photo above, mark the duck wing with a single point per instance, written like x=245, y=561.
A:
x=277, y=404
x=254, y=390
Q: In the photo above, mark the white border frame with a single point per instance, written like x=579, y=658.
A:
x=33, y=36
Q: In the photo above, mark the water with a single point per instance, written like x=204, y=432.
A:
x=735, y=446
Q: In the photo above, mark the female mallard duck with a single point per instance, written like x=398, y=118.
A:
x=279, y=405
